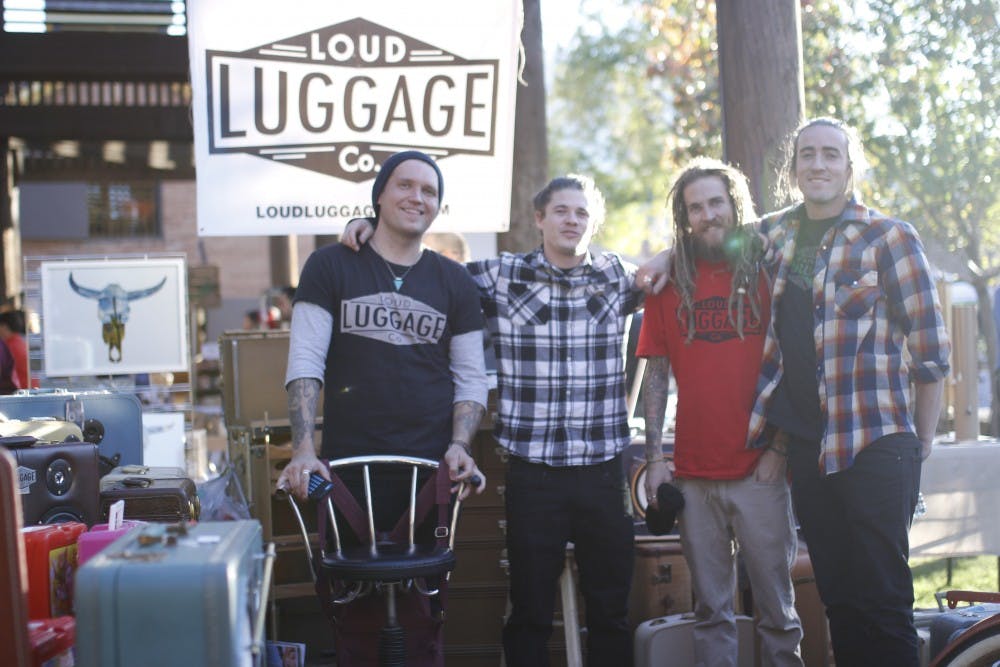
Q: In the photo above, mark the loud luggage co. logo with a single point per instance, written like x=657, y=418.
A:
x=339, y=100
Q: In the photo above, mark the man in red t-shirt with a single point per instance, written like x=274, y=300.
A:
x=710, y=324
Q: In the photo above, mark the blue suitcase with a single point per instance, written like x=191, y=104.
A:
x=111, y=420
x=177, y=594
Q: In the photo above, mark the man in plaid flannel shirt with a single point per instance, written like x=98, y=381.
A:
x=855, y=320
x=558, y=317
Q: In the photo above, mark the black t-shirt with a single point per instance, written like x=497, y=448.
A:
x=794, y=406
x=388, y=387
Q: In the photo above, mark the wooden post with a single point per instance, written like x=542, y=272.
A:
x=531, y=156
x=760, y=67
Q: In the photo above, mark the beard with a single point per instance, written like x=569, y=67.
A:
x=708, y=253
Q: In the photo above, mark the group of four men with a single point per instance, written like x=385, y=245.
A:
x=788, y=349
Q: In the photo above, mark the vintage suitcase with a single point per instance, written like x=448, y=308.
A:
x=95, y=540
x=111, y=420
x=15, y=649
x=52, y=641
x=253, y=378
x=57, y=481
x=669, y=641
x=151, y=494
x=52, y=564
x=180, y=594
x=948, y=626
x=661, y=583
x=46, y=429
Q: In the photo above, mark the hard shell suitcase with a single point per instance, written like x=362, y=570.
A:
x=669, y=640
x=151, y=494
x=57, y=481
x=112, y=420
x=52, y=641
x=948, y=626
x=46, y=429
x=168, y=595
x=15, y=649
x=100, y=537
x=52, y=565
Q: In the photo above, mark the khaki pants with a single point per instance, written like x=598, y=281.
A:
x=718, y=518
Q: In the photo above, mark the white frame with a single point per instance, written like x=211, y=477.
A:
x=156, y=332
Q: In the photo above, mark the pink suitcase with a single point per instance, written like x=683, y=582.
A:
x=97, y=538
x=668, y=640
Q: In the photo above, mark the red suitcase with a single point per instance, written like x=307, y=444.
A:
x=51, y=552
x=14, y=649
x=52, y=641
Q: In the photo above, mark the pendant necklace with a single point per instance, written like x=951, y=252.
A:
x=397, y=280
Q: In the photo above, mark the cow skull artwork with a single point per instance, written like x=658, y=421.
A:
x=113, y=307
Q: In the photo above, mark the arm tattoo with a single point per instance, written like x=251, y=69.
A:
x=655, y=391
x=465, y=420
x=303, y=395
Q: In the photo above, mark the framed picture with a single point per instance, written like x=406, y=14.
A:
x=114, y=316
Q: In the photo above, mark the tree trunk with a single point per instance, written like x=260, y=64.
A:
x=531, y=157
x=760, y=67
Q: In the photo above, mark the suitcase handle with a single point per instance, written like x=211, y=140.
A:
x=257, y=645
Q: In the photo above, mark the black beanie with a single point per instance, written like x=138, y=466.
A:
x=390, y=165
x=670, y=501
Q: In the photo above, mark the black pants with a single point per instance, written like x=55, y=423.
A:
x=855, y=523
x=546, y=508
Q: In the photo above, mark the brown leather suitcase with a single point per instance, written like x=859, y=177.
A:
x=661, y=583
x=15, y=649
x=151, y=494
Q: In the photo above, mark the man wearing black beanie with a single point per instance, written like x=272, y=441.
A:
x=393, y=334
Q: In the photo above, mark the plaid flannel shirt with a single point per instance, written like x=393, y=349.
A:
x=873, y=296
x=558, y=337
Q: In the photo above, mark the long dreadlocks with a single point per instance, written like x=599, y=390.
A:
x=742, y=247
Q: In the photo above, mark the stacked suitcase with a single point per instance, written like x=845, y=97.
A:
x=179, y=594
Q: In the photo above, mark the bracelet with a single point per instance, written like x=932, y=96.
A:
x=464, y=445
x=653, y=459
x=779, y=452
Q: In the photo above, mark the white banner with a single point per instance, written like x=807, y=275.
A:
x=296, y=104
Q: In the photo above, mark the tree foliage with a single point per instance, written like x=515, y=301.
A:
x=918, y=78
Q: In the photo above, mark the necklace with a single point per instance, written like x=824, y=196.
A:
x=397, y=280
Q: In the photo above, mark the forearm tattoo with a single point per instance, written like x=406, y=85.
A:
x=466, y=416
x=303, y=395
x=655, y=391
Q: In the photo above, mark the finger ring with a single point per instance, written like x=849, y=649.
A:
x=306, y=472
x=648, y=279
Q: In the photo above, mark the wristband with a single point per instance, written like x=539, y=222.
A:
x=658, y=456
x=779, y=452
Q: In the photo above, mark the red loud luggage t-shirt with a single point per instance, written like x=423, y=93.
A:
x=716, y=372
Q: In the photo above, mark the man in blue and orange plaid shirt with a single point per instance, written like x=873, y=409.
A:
x=855, y=320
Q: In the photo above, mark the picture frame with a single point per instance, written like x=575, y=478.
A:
x=114, y=316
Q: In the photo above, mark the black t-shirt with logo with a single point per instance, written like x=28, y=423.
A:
x=795, y=406
x=388, y=387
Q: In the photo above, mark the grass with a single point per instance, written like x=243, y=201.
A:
x=976, y=573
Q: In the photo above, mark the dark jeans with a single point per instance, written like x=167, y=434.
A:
x=546, y=508
x=855, y=523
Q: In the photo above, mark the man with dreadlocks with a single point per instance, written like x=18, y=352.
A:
x=710, y=325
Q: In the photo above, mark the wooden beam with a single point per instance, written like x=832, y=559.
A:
x=89, y=56
x=97, y=123
x=762, y=88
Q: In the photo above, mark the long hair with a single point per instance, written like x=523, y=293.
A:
x=786, y=189
x=742, y=249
